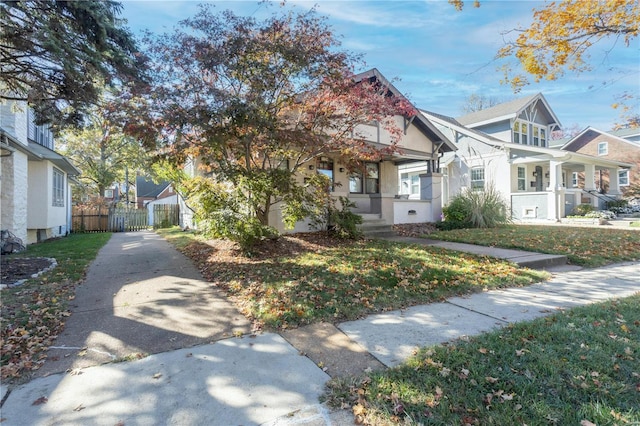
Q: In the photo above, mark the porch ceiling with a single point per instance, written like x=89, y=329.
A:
x=570, y=160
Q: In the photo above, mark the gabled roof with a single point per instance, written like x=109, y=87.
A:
x=626, y=133
x=457, y=126
x=419, y=120
x=506, y=111
x=145, y=187
x=567, y=146
x=528, y=150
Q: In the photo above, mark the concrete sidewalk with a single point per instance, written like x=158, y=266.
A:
x=521, y=258
x=153, y=299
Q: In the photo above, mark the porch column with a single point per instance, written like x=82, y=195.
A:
x=431, y=190
x=614, y=186
x=555, y=197
x=589, y=177
x=590, y=182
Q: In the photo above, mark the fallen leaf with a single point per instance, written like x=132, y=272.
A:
x=491, y=379
x=483, y=350
x=157, y=375
x=359, y=410
x=79, y=408
x=40, y=401
x=587, y=423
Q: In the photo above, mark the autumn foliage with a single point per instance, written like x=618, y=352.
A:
x=253, y=103
x=562, y=33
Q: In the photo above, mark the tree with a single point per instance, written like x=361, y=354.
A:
x=255, y=102
x=561, y=37
x=57, y=54
x=562, y=34
x=100, y=148
x=477, y=102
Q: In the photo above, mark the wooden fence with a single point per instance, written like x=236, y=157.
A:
x=108, y=219
x=166, y=215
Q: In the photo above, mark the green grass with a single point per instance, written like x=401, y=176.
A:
x=580, y=365
x=351, y=280
x=584, y=246
x=33, y=313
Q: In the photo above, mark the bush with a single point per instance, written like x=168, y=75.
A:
x=476, y=209
x=582, y=209
x=601, y=214
x=618, y=206
x=343, y=222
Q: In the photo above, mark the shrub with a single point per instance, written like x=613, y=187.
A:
x=601, y=214
x=582, y=209
x=476, y=209
x=343, y=222
x=618, y=206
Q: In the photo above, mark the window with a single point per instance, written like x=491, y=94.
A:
x=369, y=176
x=325, y=167
x=58, y=188
x=574, y=179
x=108, y=193
x=522, y=179
x=410, y=183
x=477, y=179
x=623, y=177
x=520, y=132
x=539, y=136
x=603, y=148
x=523, y=131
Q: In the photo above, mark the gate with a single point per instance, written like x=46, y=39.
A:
x=166, y=215
x=108, y=219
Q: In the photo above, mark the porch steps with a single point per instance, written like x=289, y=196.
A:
x=374, y=227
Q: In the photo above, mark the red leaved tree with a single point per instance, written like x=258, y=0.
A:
x=254, y=102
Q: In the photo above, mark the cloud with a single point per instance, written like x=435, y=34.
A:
x=382, y=14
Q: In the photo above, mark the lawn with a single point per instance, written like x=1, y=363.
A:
x=33, y=314
x=579, y=367
x=584, y=246
x=308, y=278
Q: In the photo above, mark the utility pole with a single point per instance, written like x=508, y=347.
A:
x=126, y=183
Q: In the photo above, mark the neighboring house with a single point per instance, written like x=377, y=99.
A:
x=35, y=187
x=374, y=188
x=622, y=145
x=149, y=194
x=147, y=190
x=507, y=146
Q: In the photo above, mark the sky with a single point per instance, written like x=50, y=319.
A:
x=437, y=55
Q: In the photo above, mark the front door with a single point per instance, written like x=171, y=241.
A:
x=539, y=185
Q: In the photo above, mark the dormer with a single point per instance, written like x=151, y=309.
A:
x=525, y=121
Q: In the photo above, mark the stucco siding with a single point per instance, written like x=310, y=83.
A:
x=42, y=214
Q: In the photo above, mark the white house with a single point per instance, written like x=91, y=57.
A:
x=507, y=146
x=35, y=189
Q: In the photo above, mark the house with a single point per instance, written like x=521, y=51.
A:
x=507, y=146
x=150, y=194
x=35, y=187
x=147, y=190
x=622, y=145
x=374, y=188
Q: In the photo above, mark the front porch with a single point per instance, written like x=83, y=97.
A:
x=550, y=188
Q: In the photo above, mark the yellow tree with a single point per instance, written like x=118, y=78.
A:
x=560, y=39
x=562, y=33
